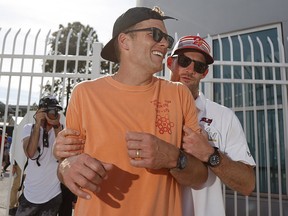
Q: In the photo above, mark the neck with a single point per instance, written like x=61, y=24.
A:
x=194, y=91
x=132, y=78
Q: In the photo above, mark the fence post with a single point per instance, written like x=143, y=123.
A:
x=96, y=60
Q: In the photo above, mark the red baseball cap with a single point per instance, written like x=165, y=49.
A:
x=194, y=43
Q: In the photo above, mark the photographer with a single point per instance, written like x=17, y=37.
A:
x=42, y=192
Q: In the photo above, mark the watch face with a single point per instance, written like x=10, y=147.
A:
x=214, y=160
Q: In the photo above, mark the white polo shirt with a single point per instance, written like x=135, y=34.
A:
x=225, y=132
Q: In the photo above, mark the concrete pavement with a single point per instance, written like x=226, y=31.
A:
x=5, y=185
x=4, y=193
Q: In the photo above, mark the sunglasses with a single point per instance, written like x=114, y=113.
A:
x=184, y=62
x=157, y=35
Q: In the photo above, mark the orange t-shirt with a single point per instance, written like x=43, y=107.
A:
x=104, y=110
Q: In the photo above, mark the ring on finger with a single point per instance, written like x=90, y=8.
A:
x=138, y=153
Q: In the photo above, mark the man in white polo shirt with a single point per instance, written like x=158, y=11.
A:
x=227, y=153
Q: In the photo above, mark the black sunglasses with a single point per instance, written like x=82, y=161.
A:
x=184, y=62
x=157, y=35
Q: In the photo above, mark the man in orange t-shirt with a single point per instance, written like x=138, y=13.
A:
x=132, y=124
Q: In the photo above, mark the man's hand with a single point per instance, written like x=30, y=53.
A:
x=67, y=144
x=83, y=172
x=148, y=151
x=40, y=116
x=197, y=144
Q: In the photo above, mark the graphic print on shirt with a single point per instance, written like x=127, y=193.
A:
x=163, y=122
x=214, y=136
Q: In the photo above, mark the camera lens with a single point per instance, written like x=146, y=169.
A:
x=52, y=114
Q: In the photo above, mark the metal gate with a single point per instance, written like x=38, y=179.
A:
x=255, y=90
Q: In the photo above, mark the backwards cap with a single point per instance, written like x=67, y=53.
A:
x=49, y=102
x=127, y=19
x=195, y=43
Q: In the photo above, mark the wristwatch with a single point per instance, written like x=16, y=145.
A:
x=214, y=159
x=182, y=160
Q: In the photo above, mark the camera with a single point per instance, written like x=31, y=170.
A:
x=51, y=106
x=52, y=113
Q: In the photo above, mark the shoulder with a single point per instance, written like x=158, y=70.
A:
x=88, y=83
x=211, y=105
x=28, y=126
x=175, y=86
x=27, y=130
x=222, y=114
x=219, y=113
x=168, y=82
x=84, y=87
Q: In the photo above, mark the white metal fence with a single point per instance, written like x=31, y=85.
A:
x=256, y=90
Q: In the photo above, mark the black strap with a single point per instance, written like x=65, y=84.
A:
x=23, y=175
x=45, y=144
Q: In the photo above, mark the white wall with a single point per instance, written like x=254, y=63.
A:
x=221, y=16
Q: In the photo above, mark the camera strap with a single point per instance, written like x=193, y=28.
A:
x=45, y=142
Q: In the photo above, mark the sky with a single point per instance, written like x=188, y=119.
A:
x=46, y=15
x=38, y=15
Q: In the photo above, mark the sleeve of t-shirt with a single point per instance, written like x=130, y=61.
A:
x=26, y=132
x=189, y=110
x=236, y=144
x=74, y=110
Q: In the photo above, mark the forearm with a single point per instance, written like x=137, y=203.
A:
x=154, y=153
x=194, y=174
x=236, y=175
x=31, y=143
x=59, y=174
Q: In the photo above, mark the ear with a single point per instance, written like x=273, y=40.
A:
x=169, y=62
x=205, y=73
x=122, y=41
x=174, y=76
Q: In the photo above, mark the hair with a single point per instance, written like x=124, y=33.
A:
x=117, y=51
x=116, y=45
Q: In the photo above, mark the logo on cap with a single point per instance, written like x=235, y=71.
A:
x=195, y=43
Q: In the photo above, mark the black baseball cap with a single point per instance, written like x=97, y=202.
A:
x=127, y=19
x=49, y=102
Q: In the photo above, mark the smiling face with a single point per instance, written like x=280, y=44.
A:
x=141, y=50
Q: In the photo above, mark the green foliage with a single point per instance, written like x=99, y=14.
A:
x=71, y=34
x=65, y=42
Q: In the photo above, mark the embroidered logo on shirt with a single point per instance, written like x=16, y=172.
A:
x=206, y=120
x=214, y=136
x=163, y=122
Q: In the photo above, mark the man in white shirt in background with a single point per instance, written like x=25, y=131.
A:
x=227, y=154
